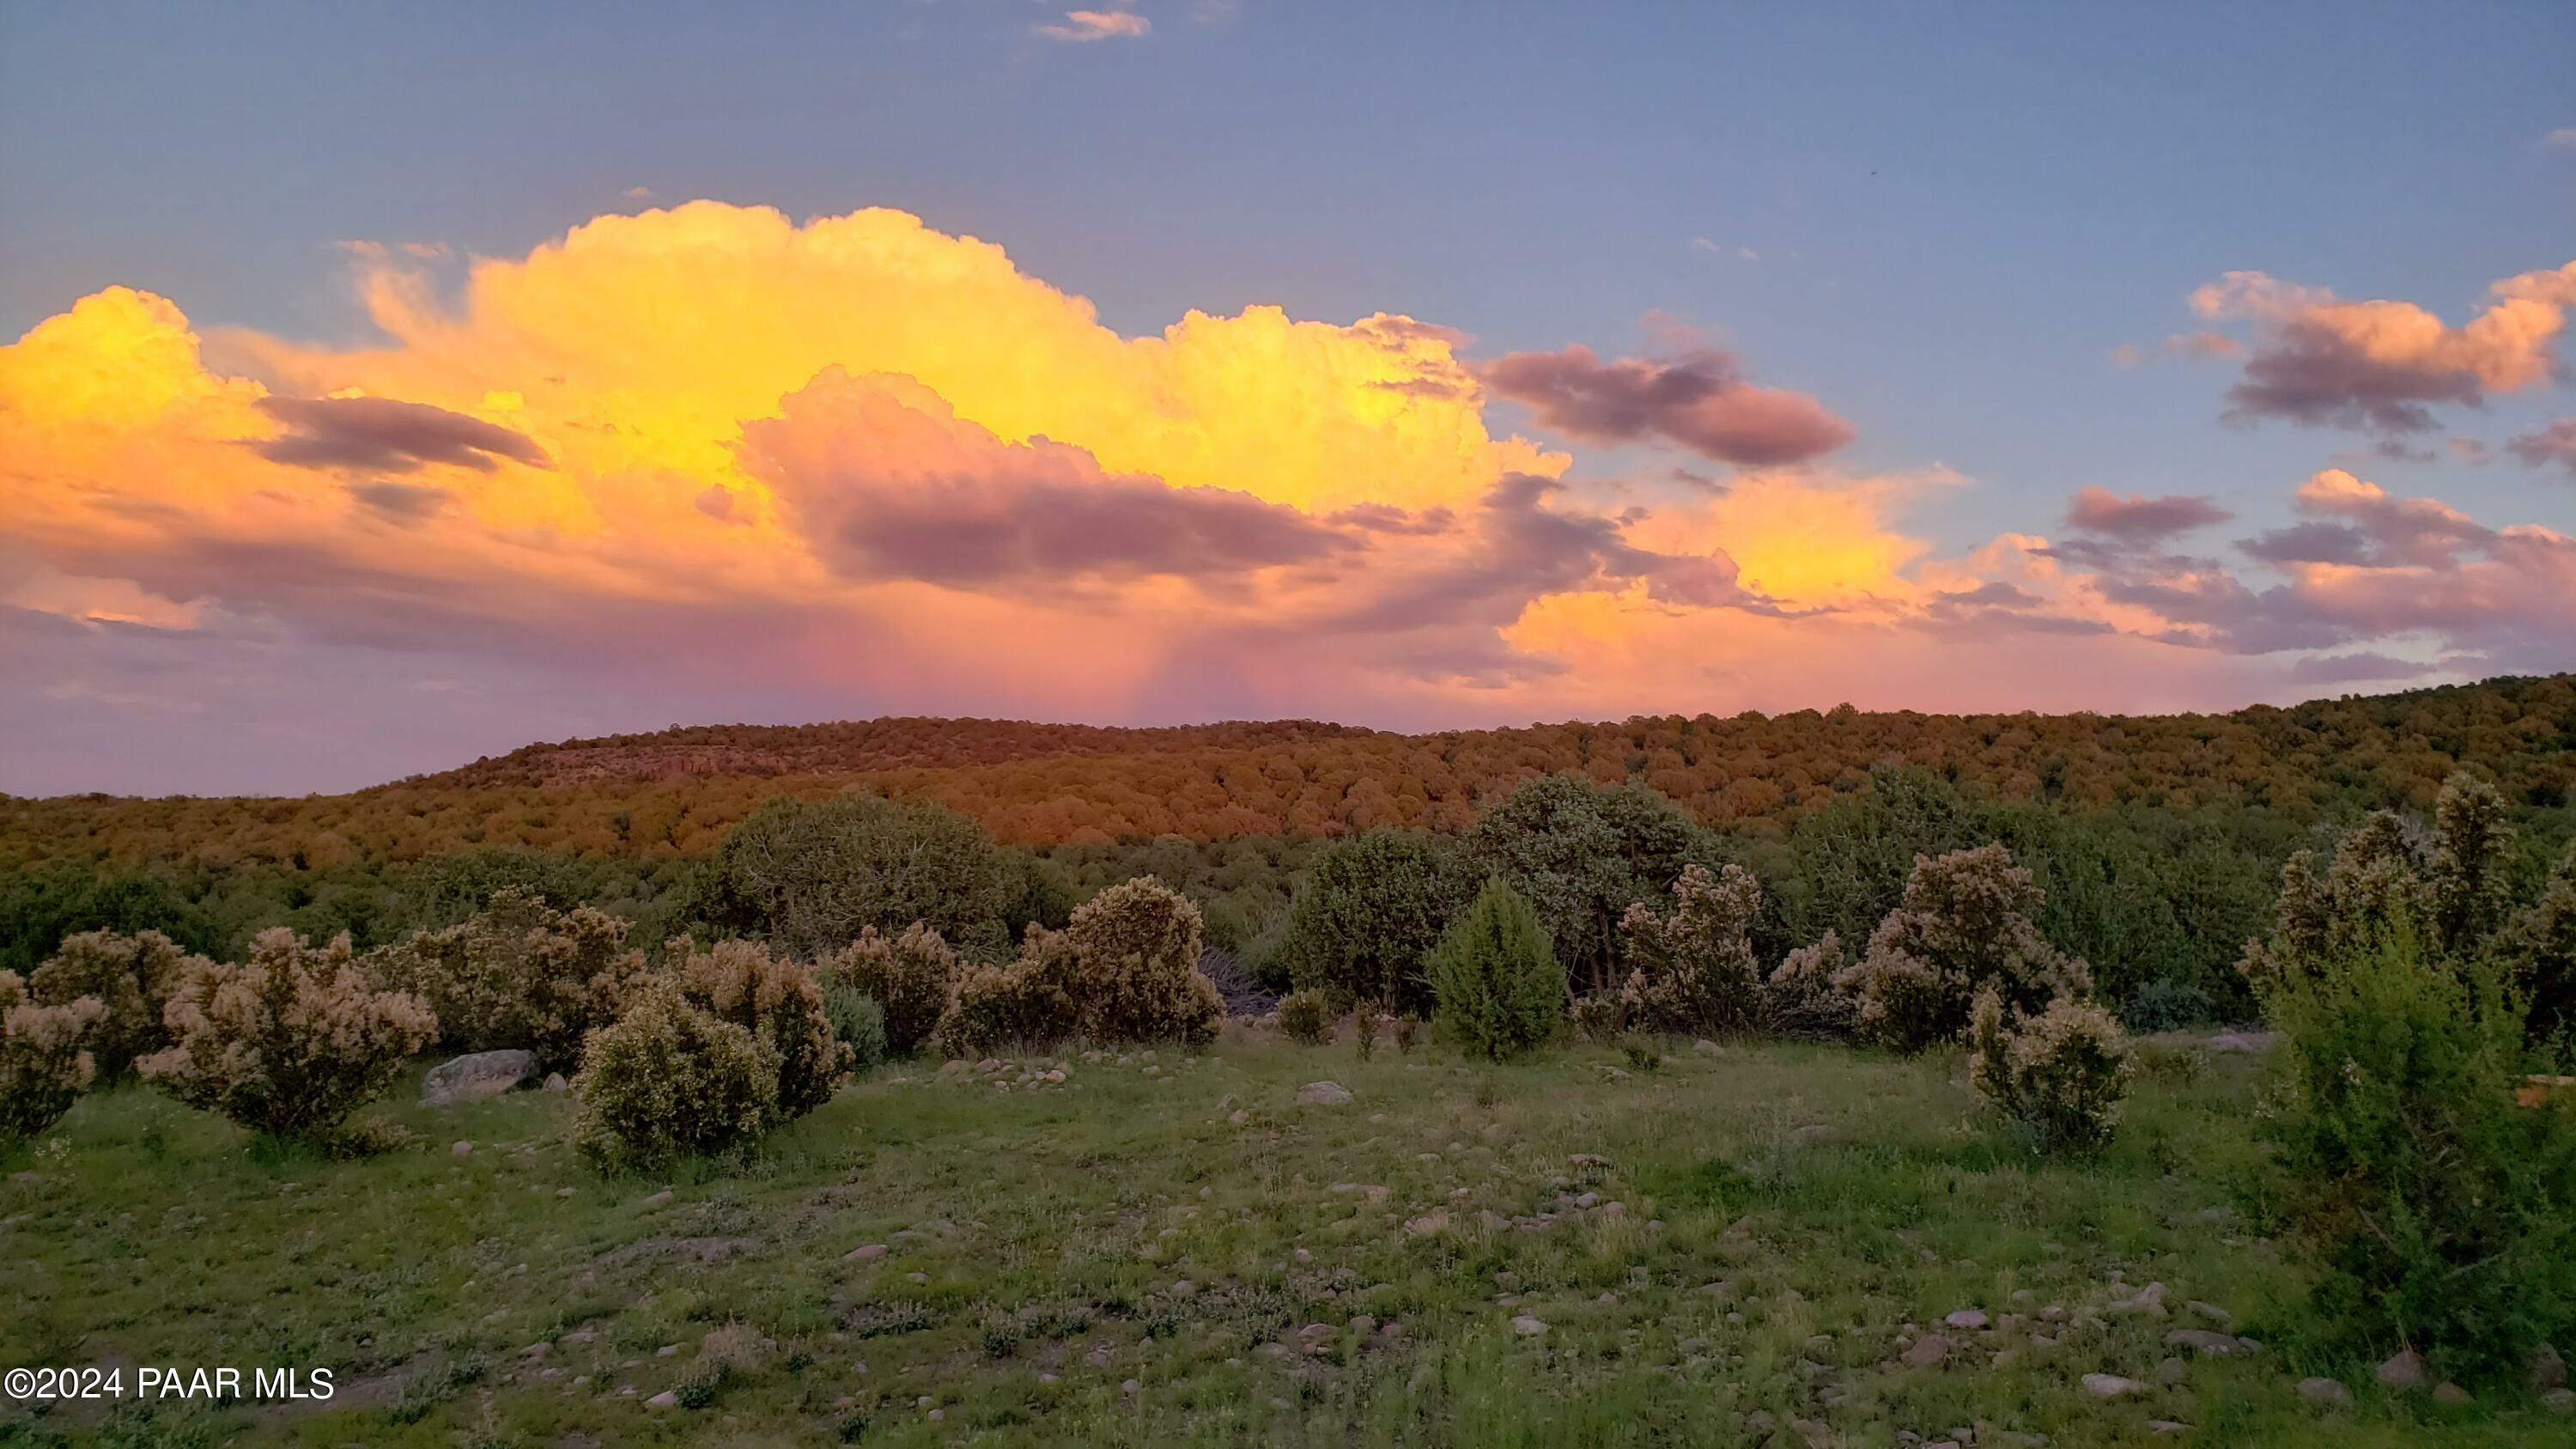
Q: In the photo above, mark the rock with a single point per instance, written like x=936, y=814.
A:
x=1814, y=1431
x=2211, y=1311
x=659, y=1199
x=2404, y=1370
x=1323, y=1094
x=563, y=1192
x=865, y=1253
x=2149, y=1301
x=2250, y=1043
x=1708, y=1048
x=1968, y=1318
x=1528, y=1325
x=475, y=1076
x=663, y=1400
x=2559, y=1401
x=2450, y=1394
x=2202, y=1341
x=462, y=1149
x=1927, y=1351
x=555, y=1082
x=1428, y=1223
x=2173, y=1371
x=2112, y=1386
x=2329, y=1392
x=1130, y=1387
x=1238, y=1116
x=2548, y=1370
x=2168, y=1426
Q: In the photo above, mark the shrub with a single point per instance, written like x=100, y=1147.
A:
x=2058, y=1075
x=1407, y=1029
x=2541, y=949
x=1026, y=1001
x=290, y=1043
x=518, y=973
x=2466, y=888
x=777, y=1000
x=2437, y=1202
x=858, y=1023
x=1305, y=1016
x=1601, y=1017
x=1367, y=1023
x=45, y=1061
x=1804, y=997
x=1693, y=966
x=2369, y=895
x=1963, y=924
x=1579, y=854
x=812, y=874
x=911, y=977
x=669, y=1080
x=1499, y=986
x=1370, y=907
x=2165, y=1006
x=1135, y=967
x=131, y=978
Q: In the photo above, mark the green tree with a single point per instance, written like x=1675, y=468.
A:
x=1580, y=854
x=1371, y=907
x=810, y=875
x=1499, y=987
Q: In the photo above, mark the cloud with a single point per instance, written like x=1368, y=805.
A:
x=382, y=435
x=2564, y=138
x=2381, y=365
x=2140, y=520
x=1088, y=25
x=399, y=502
x=1698, y=401
x=888, y=482
x=2553, y=444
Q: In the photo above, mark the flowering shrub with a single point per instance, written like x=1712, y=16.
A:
x=911, y=977
x=1693, y=967
x=1135, y=966
x=45, y=1062
x=2369, y=895
x=1601, y=1017
x=1026, y=1001
x=670, y=1080
x=2059, y=1075
x=1500, y=988
x=1305, y=1016
x=777, y=1000
x=2541, y=949
x=131, y=978
x=518, y=974
x=290, y=1043
x=1963, y=924
x=1804, y=997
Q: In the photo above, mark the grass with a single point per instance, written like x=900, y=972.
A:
x=1037, y=1241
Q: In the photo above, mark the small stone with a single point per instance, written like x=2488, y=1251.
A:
x=563, y=1192
x=2559, y=1401
x=1304, y=1255
x=1238, y=1117
x=1708, y=1048
x=1323, y=1094
x=2168, y=1426
x=1528, y=1325
x=1968, y=1318
x=555, y=1082
x=2202, y=1341
x=2329, y=1392
x=2211, y=1311
x=667, y=1350
x=2548, y=1370
x=659, y=1199
x=918, y=1277
x=462, y=1149
x=2403, y=1370
x=2112, y=1386
x=865, y=1253
x=1927, y=1351
x=663, y=1400
x=2450, y=1394
x=1130, y=1387
x=2173, y=1371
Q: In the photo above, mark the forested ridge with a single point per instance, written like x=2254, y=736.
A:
x=674, y=794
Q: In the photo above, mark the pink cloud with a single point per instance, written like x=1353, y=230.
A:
x=1699, y=401
x=1088, y=25
x=2141, y=520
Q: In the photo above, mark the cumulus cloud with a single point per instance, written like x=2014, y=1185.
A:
x=1088, y=25
x=889, y=483
x=2553, y=444
x=1698, y=401
x=2140, y=520
x=2384, y=365
x=383, y=435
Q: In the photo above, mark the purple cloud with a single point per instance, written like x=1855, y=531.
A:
x=385, y=435
x=1699, y=401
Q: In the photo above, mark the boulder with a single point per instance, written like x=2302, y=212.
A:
x=1323, y=1094
x=2404, y=1370
x=473, y=1077
x=2329, y=1392
x=1528, y=1326
x=2112, y=1386
x=1926, y=1352
x=2202, y=1341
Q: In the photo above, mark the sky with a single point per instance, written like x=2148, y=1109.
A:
x=394, y=386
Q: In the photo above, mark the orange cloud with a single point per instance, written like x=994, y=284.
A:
x=1083, y=25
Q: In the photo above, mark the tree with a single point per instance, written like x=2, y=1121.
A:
x=1496, y=977
x=1964, y=925
x=2467, y=883
x=810, y=875
x=1371, y=907
x=1692, y=968
x=1580, y=854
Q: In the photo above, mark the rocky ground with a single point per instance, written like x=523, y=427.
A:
x=1745, y=1244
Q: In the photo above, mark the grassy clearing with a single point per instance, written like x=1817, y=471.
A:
x=1037, y=1242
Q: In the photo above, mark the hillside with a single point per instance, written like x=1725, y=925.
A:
x=675, y=793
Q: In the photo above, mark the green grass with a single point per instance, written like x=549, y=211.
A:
x=1841, y=1194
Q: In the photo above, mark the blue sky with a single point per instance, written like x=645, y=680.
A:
x=1939, y=220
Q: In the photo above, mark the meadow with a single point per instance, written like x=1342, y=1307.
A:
x=1737, y=1246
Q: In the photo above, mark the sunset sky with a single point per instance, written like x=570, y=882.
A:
x=397, y=385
